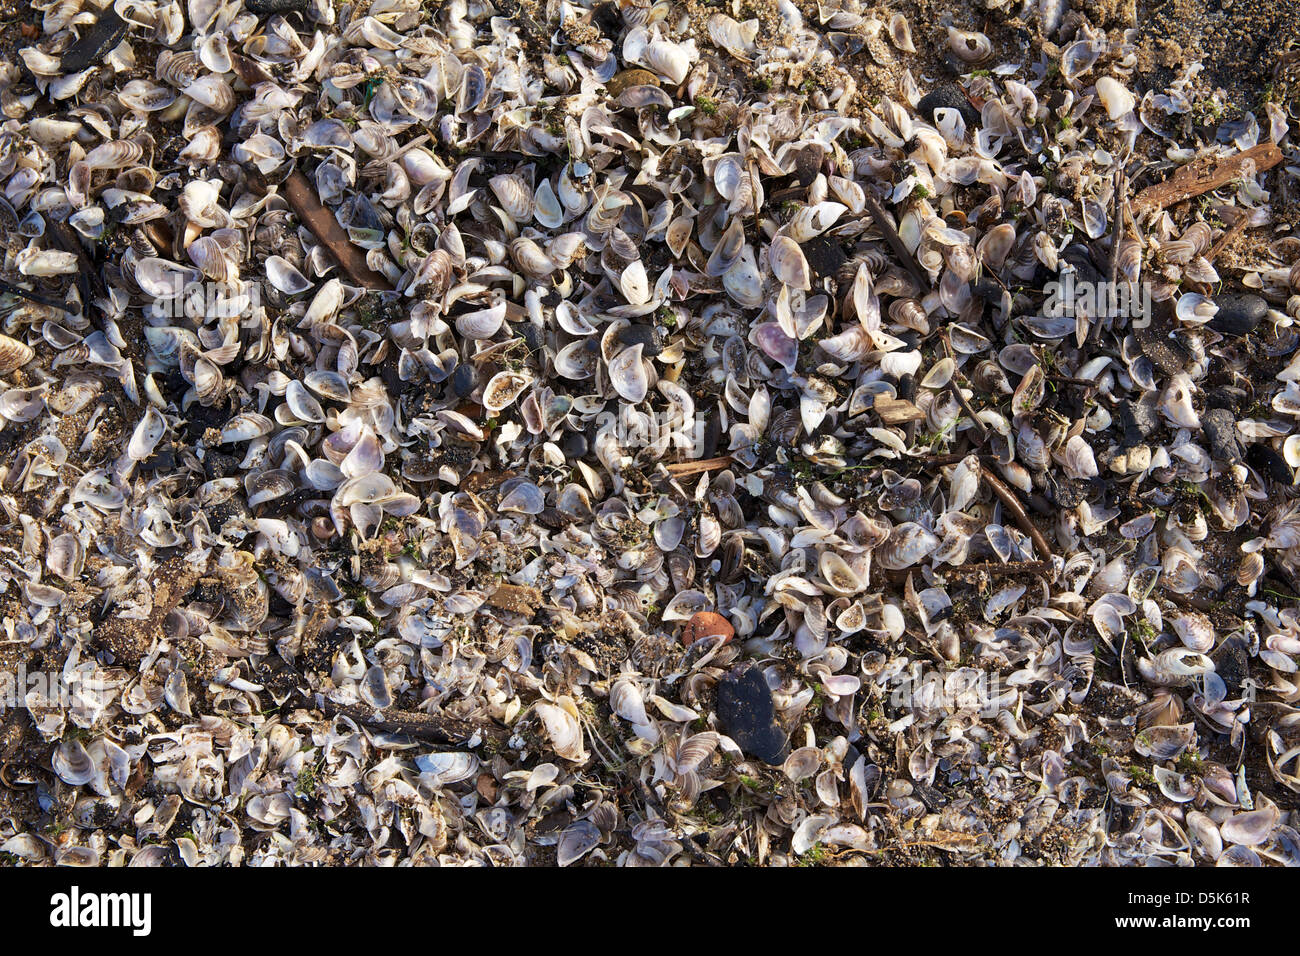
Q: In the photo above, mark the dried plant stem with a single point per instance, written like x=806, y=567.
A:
x=881, y=219
x=449, y=730
x=1012, y=504
x=682, y=468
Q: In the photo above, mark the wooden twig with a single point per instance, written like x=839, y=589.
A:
x=1011, y=503
x=1068, y=380
x=961, y=399
x=301, y=196
x=997, y=568
x=895, y=241
x=1205, y=174
x=411, y=723
x=1117, y=214
x=1232, y=232
x=683, y=468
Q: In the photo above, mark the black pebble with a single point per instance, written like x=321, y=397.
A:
x=1225, y=396
x=462, y=380
x=748, y=715
x=96, y=42
x=986, y=289
x=1239, y=313
x=1137, y=421
x=1265, y=460
x=808, y=163
x=1220, y=427
x=1066, y=492
x=1232, y=663
x=947, y=97
x=574, y=445
x=532, y=336
x=644, y=335
x=712, y=435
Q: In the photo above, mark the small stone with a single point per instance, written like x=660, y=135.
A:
x=646, y=336
x=574, y=445
x=1239, y=313
x=1138, y=421
x=1264, y=459
x=824, y=255
x=748, y=716
x=707, y=624
x=462, y=380
x=1220, y=427
x=1225, y=396
x=808, y=163
x=947, y=97
x=1232, y=663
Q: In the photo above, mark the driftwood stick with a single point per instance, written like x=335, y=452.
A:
x=682, y=468
x=895, y=241
x=1205, y=174
x=448, y=730
x=1011, y=503
x=302, y=197
x=997, y=568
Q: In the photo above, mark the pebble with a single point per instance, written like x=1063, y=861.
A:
x=1220, y=427
x=462, y=380
x=824, y=255
x=574, y=445
x=947, y=96
x=644, y=335
x=1239, y=313
x=1264, y=459
x=748, y=716
x=1137, y=421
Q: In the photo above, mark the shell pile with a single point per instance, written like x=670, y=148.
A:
x=635, y=433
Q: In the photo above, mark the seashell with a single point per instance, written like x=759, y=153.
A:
x=900, y=33
x=301, y=404
x=503, y=388
x=970, y=47
x=13, y=354
x=563, y=731
x=788, y=263
x=1115, y=97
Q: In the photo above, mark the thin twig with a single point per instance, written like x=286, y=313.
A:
x=1012, y=504
x=1232, y=232
x=895, y=241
